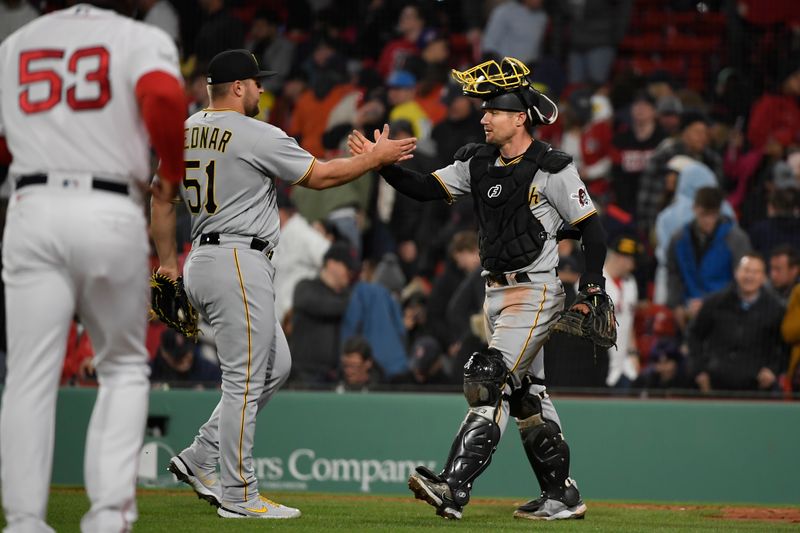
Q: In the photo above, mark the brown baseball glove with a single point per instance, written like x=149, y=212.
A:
x=169, y=304
x=597, y=323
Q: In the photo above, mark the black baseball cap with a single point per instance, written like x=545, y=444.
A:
x=232, y=65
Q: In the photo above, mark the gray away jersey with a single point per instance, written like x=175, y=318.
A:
x=232, y=162
x=554, y=199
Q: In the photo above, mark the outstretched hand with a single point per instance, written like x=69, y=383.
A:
x=388, y=150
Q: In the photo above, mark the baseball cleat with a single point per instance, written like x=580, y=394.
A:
x=261, y=507
x=436, y=494
x=207, y=487
x=553, y=510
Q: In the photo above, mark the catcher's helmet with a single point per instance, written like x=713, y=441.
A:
x=506, y=86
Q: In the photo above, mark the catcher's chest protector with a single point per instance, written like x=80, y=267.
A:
x=510, y=237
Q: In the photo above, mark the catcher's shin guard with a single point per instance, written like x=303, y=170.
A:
x=477, y=438
x=548, y=454
x=470, y=453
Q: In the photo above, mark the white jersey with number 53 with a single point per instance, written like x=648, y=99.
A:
x=72, y=104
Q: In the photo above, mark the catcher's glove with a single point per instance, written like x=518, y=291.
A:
x=599, y=324
x=170, y=304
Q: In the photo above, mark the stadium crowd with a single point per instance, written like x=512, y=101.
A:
x=684, y=122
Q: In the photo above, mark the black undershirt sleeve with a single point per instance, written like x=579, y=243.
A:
x=414, y=184
x=593, y=238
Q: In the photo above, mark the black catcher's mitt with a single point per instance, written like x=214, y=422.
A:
x=599, y=325
x=170, y=304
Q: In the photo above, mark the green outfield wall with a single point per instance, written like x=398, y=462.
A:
x=677, y=450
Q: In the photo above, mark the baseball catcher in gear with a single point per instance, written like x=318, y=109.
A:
x=591, y=317
x=169, y=303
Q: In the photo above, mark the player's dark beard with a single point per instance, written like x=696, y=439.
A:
x=252, y=110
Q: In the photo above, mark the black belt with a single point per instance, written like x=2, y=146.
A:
x=255, y=244
x=500, y=278
x=97, y=183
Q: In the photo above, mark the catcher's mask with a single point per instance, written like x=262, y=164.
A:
x=505, y=86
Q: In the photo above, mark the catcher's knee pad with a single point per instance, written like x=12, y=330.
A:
x=470, y=453
x=548, y=454
x=522, y=404
x=484, y=376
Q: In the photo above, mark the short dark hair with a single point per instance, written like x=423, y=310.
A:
x=219, y=90
x=709, y=198
x=357, y=344
x=782, y=200
x=754, y=255
x=464, y=241
x=789, y=251
x=690, y=117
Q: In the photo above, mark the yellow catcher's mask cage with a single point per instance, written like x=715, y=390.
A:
x=491, y=77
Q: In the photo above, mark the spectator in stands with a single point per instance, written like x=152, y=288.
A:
x=623, y=358
x=693, y=142
x=357, y=367
x=402, y=87
x=667, y=368
x=462, y=250
x=516, y=29
x=220, y=31
x=465, y=309
x=274, y=51
x=178, y=363
x=692, y=177
x=408, y=221
x=782, y=225
x=461, y=126
x=588, y=140
x=197, y=89
x=735, y=343
x=318, y=307
x=596, y=28
x=427, y=362
x=632, y=150
x=14, y=14
x=776, y=115
x=162, y=14
x=790, y=332
x=669, y=110
x=298, y=254
x=328, y=85
x=703, y=255
x=784, y=270
x=374, y=312
x=78, y=365
x=414, y=34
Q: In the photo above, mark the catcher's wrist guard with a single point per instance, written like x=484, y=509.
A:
x=598, y=325
x=170, y=304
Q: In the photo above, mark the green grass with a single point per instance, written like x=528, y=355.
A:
x=179, y=510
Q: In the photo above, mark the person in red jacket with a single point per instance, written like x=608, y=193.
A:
x=776, y=115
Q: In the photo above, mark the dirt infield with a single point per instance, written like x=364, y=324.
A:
x=789, y=515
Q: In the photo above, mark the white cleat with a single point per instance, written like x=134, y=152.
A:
x=259, y=508
x=206, y=486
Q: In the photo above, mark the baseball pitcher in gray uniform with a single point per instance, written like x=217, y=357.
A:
x=232, y=162
x=523, y=192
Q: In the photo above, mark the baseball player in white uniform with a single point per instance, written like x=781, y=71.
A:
x=523, y=192
x=80, y=91
x=232, y=162
x=623, y=359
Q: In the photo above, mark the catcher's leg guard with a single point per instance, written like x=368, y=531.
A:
x=548, y=454
x=475, y=442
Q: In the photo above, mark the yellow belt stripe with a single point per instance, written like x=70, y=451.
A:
x=530, y=333
x=247, y=380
